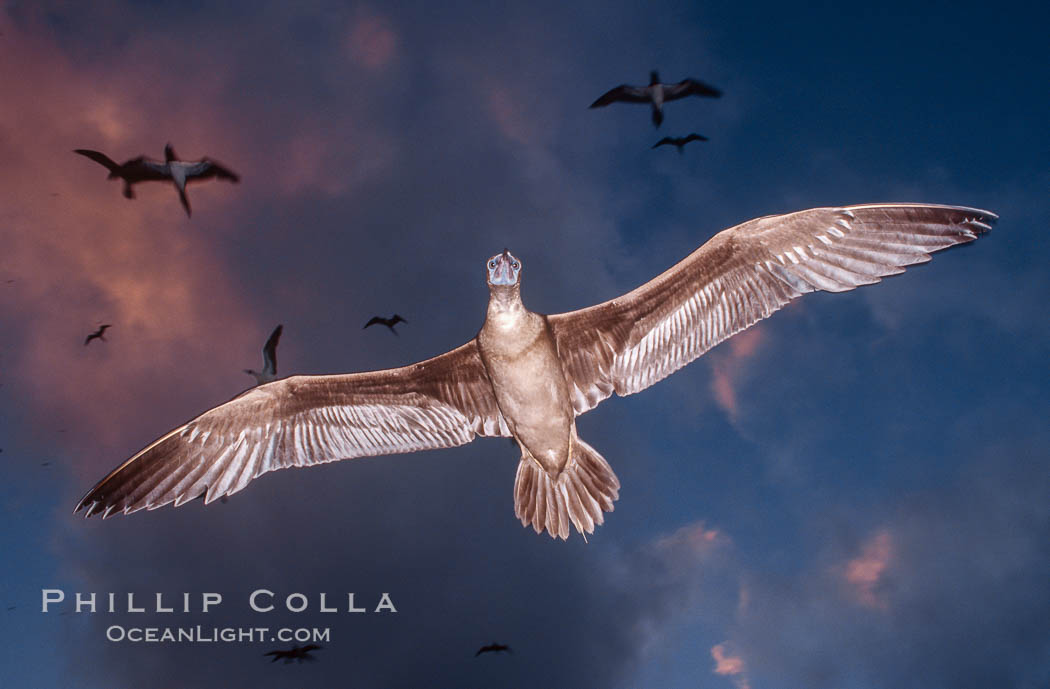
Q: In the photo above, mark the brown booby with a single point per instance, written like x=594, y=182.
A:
x=679, y=142
x=493, y=648
x=99, y=334
x=299, y=653
x=269, y=372
x=656, y=94
x=528, y=376
x=388, y=322
x=179, y=172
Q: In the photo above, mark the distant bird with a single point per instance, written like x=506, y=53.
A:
x=388, y=322
x=493, y=648
x=296, y=653
x=45, y=464
x=529, y=375
x=269, y=372
x=656, y=94
x=679, y=142
x=98, y=334
x=179, y=172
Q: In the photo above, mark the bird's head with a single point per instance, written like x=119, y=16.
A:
x=504, y=269
x=169, y=152
x=654, y=77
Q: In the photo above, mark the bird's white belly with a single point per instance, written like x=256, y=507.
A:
x=178, y=175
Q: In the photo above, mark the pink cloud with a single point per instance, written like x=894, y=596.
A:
x=332, y=164
x=80, y=254
x=508, y=115
x=729, y=665
x=744, y=345
x=864, y=573
x=691, y=549
x=371, y=41
x=728, y=366
x=693, y=538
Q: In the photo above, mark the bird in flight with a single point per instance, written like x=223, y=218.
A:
x=297, y=653
x=388, y=322
x=528, y=375
x=656, y=94
x=269, y=372
x=179, y=172
x=99, y=334
x=679, y=142
x=493, y=648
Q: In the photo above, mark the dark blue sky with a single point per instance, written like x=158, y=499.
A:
x=853, y=494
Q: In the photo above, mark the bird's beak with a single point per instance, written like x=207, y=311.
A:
x=503, y=275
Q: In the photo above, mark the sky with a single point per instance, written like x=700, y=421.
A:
x=852, y=494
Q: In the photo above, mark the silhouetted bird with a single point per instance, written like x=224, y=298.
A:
x=679, y=142
x=179, y=172
x=269, y=372
x=530, y=375
x=296, y=653
x=493, y=648
x=656, y=94
x=388, y=322
x=98, y=334
x=45, y=464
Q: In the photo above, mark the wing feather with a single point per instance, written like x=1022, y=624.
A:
x=628, y=94
x=206, y=168
x=305, y=420
x=739, y=277
x=690, y=87
x=270, y=350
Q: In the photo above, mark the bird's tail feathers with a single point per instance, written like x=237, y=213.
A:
x=184, y=199
x=584, y=489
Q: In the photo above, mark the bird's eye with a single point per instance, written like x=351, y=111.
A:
x=515, y=265
x=492, y=264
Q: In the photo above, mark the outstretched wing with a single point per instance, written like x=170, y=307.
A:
x=305, y=420
x=694, y=137
x=664, y=142
x=206, y=168
x=739, y=277
x=100, y=158
x=628, y=94
x=270, y=350
x=690, y=87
